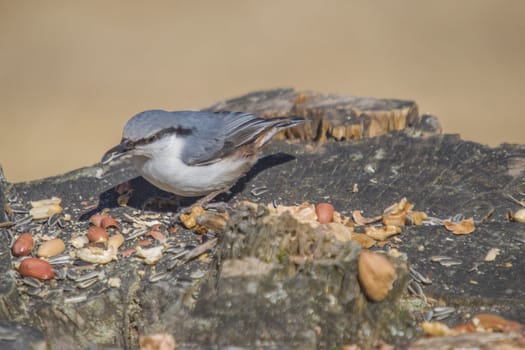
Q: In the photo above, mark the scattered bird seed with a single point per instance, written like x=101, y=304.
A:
x=12, y=198
x=69, y=289
x=59, y=259
x=432, y=221
x=76, y=299
x=32, y=282
x=415, y=289
x=442, y=312
x=136, y=234
x=180, y=255
x=457, y=218
x=54, y=293
x=438, y=258
x=157, y=277
x=427, y=316
x=33, y=291
x=72, y=275
x=174, y=250
x=87, y=283
x=474, y=267
x=60, y=274
x=450, y=262
x=417, y=276
x=53, y=219
x=197, y=274
x=18, y=210
x=256, y=192
x=23, y=221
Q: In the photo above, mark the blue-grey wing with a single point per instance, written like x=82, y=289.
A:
x=219, y=134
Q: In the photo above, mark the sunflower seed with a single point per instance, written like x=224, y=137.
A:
x=136, y=234
x=197, y=275
x=53, y=219
x=18, y=210
x=180, y=255
x=157, y=277
x=416, y=275
x=415, y=289
x=256, y=192
x=33, y=291
x=54, y=294
x=69, y=289
x=432, y=221
x=174, y=250
x=72, y=275
x=23, y=221
x=438, y=258
x=172, y=263
x=457, y=218
x=76, y=299
x=12, y=198
x=59, y=259
x=86, y=283
x=442, y=312
x=32, y=282
x=61, y=223
x=427, y=316
x=450, y=262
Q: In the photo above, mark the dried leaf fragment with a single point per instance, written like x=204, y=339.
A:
x=397, y=219
x=380, y=233
x=416, y=217
x=492, y=254
x=364, y=240
x=403, y=206
x=360, y=220
x=460, y=228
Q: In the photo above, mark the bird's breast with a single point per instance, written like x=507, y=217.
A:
x=171, y=174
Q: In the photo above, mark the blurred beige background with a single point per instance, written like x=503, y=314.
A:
x=72, y=72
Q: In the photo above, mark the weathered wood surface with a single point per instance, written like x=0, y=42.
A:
x=441, y=174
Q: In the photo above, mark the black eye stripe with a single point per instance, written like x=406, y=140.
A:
x=158, y=135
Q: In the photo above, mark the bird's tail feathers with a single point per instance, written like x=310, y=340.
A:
x=278, y=125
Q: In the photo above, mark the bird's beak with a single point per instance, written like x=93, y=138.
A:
x=116, y=152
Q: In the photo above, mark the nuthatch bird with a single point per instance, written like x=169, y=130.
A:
x=195, y=153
